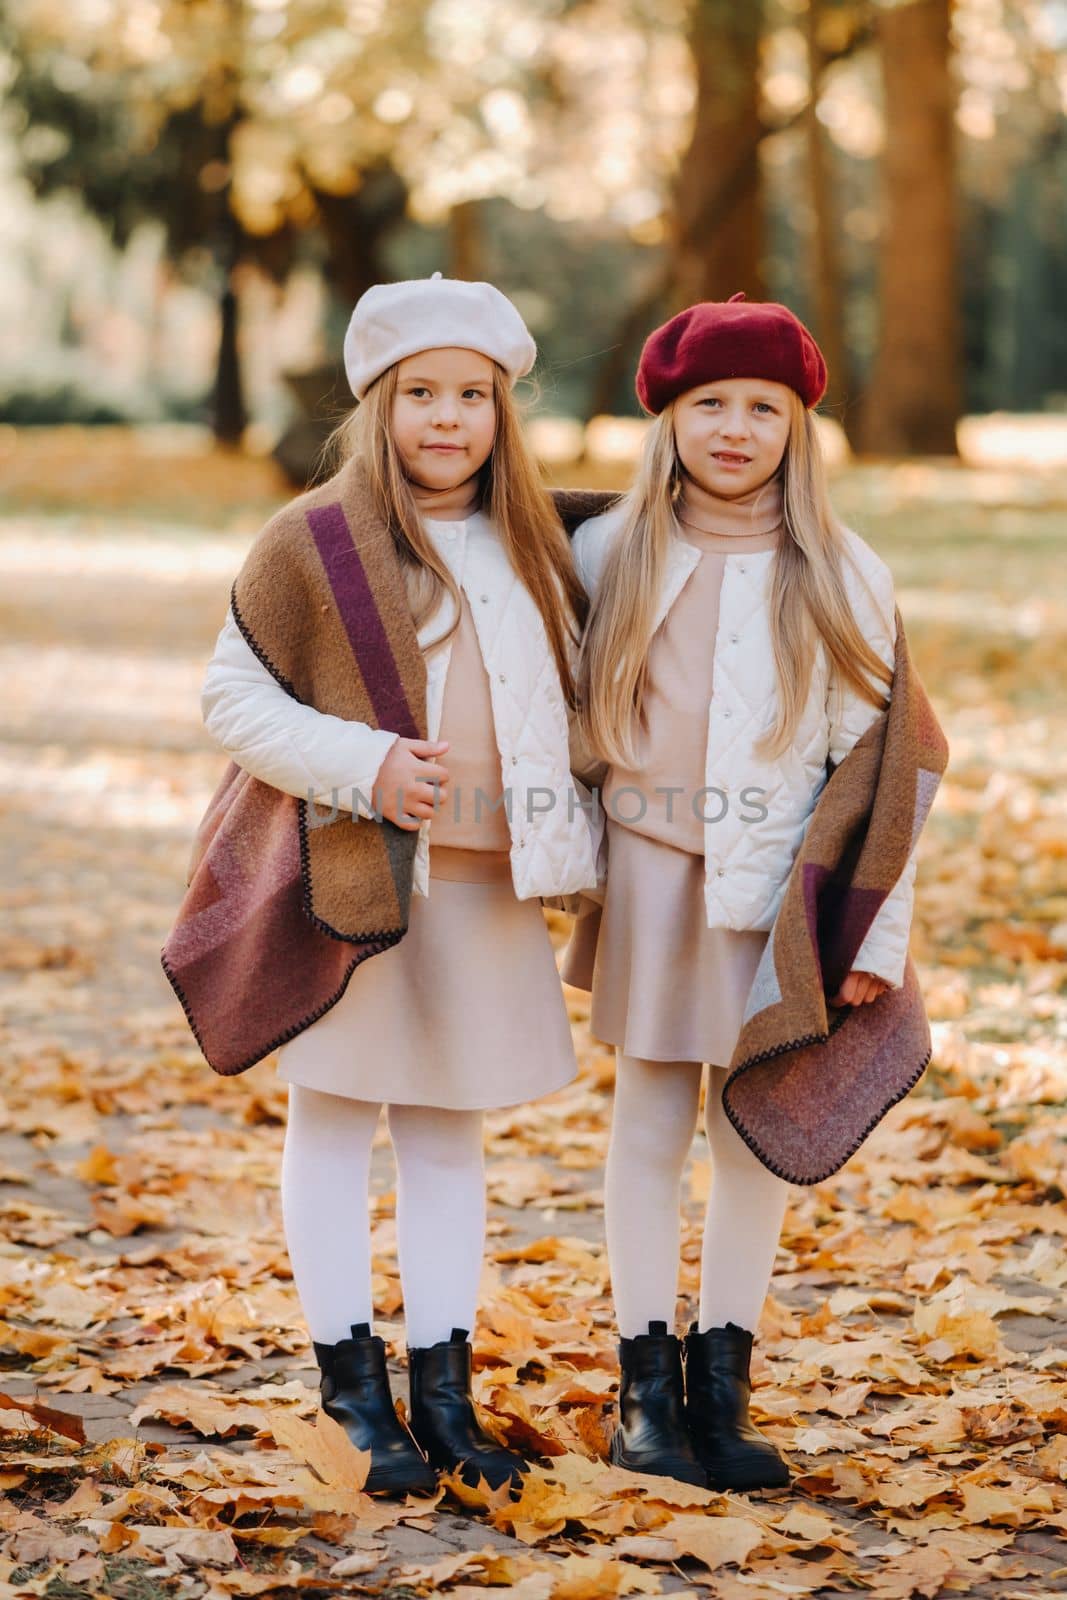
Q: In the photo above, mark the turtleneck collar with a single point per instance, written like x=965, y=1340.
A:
x=756, y=514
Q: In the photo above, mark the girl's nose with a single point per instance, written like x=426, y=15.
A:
x=733, y=425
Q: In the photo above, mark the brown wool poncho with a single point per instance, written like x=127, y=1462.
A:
x=808, y=1082
x=279, y=912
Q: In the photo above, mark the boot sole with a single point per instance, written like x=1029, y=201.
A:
x=744, y=1479
x=399, y=1483
x=681, y=1471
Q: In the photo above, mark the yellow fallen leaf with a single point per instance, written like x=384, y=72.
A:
x=325, y=1448
x=716, y=1541
x=963, y=1332
x=579, y=1577
x=982, y=1503
x=805, y=1523
x=98, y=1167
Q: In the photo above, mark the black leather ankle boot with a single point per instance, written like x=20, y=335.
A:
x=355, y=1393
x=651, y=1435
x=443, y=1418
x=733, y=1451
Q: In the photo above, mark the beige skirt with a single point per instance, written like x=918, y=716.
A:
x=666, y=987
x=465, y=1013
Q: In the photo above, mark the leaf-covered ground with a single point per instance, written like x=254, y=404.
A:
x=156, y=1422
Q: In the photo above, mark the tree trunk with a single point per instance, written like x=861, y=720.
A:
x=827, y=293
x=222, y=109
x=229, y=415
x=618, y=360
x=354, y=229
x=466, y=242
x=914, y=398
x=718, y=215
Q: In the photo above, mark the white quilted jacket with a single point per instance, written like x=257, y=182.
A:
x=298, y=749
x=748, y=863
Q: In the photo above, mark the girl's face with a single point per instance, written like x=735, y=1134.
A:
x=731, y=435
x=444, y=416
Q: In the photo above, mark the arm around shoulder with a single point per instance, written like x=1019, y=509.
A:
x=592, y=542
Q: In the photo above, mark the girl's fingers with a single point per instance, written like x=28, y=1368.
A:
x=418, y=808
x=859, y=989
x=428, y=773
x=426, y=748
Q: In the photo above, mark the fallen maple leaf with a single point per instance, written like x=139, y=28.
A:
x=325, y=1448
x=715, y=1541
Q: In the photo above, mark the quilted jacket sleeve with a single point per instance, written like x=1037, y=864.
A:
x=291, y=746
x=885, y=949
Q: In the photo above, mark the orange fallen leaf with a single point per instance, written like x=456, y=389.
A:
x=67, y=1423
x=325, y=1448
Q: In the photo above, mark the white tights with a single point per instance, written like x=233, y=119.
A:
x=656, y=1106
x=440, y=1213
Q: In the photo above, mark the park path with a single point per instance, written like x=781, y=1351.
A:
x=143, y=1276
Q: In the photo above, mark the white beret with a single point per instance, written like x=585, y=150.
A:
x=394, y=320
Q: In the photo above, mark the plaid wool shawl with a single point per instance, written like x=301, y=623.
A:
x=278, y=913
x=808, y=1081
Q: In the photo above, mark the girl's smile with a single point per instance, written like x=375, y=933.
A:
x=444, y=420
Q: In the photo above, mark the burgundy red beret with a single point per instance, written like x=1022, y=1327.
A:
x=729, y=339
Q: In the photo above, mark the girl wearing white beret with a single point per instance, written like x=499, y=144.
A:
x=396, y=676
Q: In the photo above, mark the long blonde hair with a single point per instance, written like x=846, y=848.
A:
x=513, y=498
x=808, y=598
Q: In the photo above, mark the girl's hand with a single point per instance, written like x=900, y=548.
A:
x=410, y=782
x=858, y=989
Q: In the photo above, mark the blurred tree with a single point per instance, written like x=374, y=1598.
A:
x=821, y=21
x=466, y=242
x=716, y=200
x=718, y=220
x=915, y=395
x=722, y=146
x=185, y=114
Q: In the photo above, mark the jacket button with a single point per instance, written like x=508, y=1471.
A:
x=514, y=761
x=733, y=638
x=727, y=712
x=742, y=569
x=720, y=872
x=485, y=599
x=503, y=679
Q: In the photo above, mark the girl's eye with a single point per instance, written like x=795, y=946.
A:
x=761, y=405
x=474, y=394
x=418, y=391
x=709, y=400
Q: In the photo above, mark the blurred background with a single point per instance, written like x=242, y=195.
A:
x=197, y=191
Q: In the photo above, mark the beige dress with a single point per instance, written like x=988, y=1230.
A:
x=466, y=1012
x=665, y=986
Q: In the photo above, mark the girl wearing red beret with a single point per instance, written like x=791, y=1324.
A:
x=739, y=638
